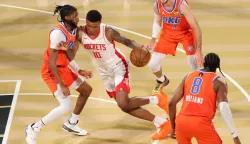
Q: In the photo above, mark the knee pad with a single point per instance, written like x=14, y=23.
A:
x=65, y=102
x=191, y=62
x=155, y=61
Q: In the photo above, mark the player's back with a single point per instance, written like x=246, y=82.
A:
x=199, y=95
x=101, y=49
x=174, y=22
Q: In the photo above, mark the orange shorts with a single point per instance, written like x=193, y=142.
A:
x=67, y=76
x=200, y=128
x=168, y=43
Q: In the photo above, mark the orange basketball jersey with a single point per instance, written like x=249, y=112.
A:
x=173, y=21
x=199, y=96
x=62, y=59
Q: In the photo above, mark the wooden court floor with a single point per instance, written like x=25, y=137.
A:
x=23, y=38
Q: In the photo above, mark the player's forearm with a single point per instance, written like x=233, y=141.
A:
x=172, y=114
x=70, y=54
x=198, y=36
x=131, y=43
x=55, y=72
x=227, y=116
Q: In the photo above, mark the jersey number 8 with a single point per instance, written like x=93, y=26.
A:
x=195, y=89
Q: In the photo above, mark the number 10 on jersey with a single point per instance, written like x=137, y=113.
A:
x=97, y=55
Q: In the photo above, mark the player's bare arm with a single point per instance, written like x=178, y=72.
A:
x=116, y=36
x=178, y=95
x=54, y=69
x=221, y=90
x=71, y=53
x=52, y=64
x=190, y=17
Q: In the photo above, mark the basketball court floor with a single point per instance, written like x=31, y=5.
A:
x=24, y=28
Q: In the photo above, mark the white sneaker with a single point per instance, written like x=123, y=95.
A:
x=74, y=129
x=30, y=134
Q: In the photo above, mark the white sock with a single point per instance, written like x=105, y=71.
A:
x=158, y=121
x=153, y=99
x=38, y=125
x=162, y=78
x=73, y=119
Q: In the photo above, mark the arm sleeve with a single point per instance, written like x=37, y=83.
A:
x=228, y=118
x=156, y=25
x=56, y=36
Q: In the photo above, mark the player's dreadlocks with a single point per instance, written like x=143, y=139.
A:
x=64, y=11
x=212, y=62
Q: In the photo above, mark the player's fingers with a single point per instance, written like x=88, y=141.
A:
x=66, y=93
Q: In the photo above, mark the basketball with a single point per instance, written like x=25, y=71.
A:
x=140, y=57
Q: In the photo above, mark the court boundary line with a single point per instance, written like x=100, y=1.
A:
x=243, y=91
x=12, y=109
x=75, y=96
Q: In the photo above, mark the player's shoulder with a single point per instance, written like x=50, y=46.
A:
x=184, y=5
x=219, y=83
x=57, y=33
x=108, y=30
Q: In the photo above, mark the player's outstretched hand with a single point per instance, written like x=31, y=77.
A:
x=65, y=90
x=62, y=46
x=150, y=45
x=85, y=73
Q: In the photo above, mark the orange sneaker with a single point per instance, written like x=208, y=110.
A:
x=162, y=101
x=165, y=130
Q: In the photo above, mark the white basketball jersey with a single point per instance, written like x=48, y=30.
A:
x=104, y=52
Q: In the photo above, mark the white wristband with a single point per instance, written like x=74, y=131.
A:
x=227, y=116
x=74, y=66
x=156, y=26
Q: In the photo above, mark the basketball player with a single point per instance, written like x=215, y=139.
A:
x=201, y=90
x=179, y=25
x=59, y=77
x=99, y=41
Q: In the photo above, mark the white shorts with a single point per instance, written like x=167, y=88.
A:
x=116, y=78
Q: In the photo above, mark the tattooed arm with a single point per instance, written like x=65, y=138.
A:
x=113, y=34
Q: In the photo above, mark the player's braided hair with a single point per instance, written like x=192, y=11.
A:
x=212, y=62
x=64, y=11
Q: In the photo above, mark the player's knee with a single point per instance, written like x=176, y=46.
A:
x=124, y=107
x=65, y=105
x=154, y=65
x=88, y=91
x=85, y=90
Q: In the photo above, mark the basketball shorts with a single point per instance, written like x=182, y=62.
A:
x=200, y=128
x=69, y=78
x=116, y=78
x=168, y=43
